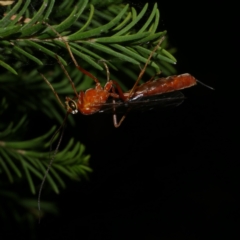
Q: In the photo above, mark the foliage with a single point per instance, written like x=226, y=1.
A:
x=95, y=32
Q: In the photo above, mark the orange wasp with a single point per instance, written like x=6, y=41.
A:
x=95, y=99
x=153, y=92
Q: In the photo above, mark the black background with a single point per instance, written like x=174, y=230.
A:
x=170, y=174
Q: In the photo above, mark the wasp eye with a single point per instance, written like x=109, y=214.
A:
x=72, y=105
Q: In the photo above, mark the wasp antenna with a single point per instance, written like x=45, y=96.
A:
x=51, y=161
x=71, y=55
x=67, y=75
x=50, y=85
x=205, y=85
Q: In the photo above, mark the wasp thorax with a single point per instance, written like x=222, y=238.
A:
x=71, y=106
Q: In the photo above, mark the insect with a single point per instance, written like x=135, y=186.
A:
x=154, y=92
x=161, y=91
x=94, y=99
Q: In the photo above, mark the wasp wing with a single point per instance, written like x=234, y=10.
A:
x=141, y=103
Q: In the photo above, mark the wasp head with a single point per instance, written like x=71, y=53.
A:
x=71, y=106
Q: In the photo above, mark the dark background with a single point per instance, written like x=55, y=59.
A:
x=166, y=174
